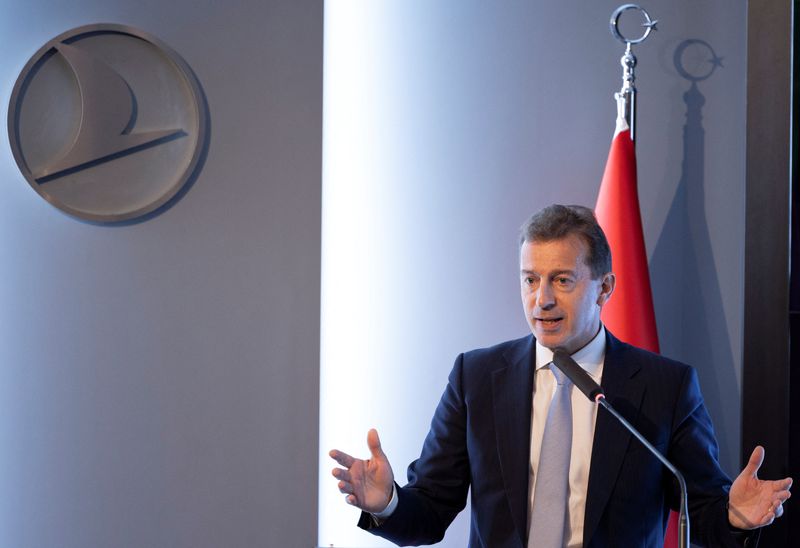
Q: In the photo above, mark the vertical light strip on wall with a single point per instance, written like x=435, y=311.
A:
x=348, y=378
x=421, y=204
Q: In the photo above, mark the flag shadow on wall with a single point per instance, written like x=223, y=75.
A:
x=685, y=276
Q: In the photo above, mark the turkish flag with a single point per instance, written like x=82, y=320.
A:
x=629, y=313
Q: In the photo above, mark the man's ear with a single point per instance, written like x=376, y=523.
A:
x=607, y=284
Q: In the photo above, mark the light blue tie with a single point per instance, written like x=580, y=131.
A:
x=552, y=476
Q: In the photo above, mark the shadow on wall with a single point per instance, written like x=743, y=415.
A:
x=683, y=262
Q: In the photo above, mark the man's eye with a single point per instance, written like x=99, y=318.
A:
x=561, y=280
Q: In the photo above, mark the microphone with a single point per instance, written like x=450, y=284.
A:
x=592, y=390
x=577, y=375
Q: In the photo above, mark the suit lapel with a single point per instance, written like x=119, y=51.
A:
x=611, y=439
x=512, y=392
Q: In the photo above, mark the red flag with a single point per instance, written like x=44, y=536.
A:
x=629, y=313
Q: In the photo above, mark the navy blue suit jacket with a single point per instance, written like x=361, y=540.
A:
x=480, y=439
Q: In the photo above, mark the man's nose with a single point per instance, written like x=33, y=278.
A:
x=545, y=298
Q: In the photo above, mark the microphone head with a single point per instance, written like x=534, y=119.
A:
x=576, y=374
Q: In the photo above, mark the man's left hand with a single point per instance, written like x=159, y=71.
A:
x=753, y=502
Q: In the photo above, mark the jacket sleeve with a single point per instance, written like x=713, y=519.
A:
x=694, y=451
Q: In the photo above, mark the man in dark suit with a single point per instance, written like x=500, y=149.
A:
x=490, y=429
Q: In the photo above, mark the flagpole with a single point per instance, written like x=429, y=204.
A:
x=626, y=97
x=630, y=314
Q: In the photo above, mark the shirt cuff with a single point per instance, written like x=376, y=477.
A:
x=390, y=508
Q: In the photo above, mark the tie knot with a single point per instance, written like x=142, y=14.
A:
x=561, y=378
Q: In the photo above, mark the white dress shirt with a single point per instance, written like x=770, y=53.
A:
x=584, y=413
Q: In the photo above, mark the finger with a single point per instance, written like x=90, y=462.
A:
x=342, y=474
x=775, y=510
x=342, y=458
x=345, y=487
x=351, y=500
x=374, y=444
x=783, y=496
x=756, y=459
x=780, y=489
x=776, y=506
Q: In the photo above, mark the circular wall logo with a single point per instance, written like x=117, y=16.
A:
x=107, y=123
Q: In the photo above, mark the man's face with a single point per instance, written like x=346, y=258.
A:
x=561, y=300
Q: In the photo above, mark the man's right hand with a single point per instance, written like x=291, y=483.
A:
x=368, y=483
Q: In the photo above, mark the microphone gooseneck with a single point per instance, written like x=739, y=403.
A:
x=577, y=375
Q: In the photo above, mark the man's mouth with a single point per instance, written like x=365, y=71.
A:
x=549, y=322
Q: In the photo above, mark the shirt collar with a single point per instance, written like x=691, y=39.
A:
x=590, y=357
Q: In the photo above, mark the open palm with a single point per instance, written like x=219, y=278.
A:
x=755, y=502
x=367, y=483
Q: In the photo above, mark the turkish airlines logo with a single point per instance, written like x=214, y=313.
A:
x=107, y=123
x=107, y=117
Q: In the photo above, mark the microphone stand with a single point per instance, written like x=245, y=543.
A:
x=683, y=518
